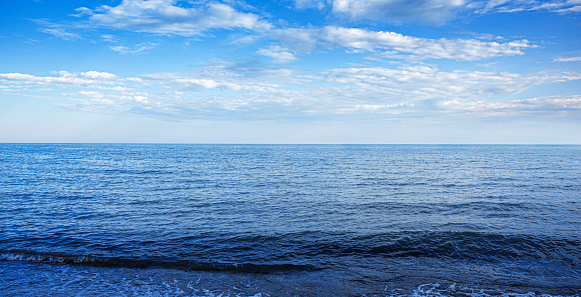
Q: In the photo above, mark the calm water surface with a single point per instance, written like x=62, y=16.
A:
x=289, y=220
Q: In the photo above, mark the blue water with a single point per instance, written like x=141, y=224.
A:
x=289, y=220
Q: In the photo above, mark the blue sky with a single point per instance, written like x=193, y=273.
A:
x=302, y=71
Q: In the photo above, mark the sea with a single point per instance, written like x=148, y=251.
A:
x=290, y=220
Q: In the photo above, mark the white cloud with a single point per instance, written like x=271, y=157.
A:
x=491, y=4
x=431, y=11
x=555, y=105
x=396, y=11
x=194, y=83
x=511, y=6
x=109, y=38
x=393, y=109
x=139, y=48
x=420, y=83
x=61, y=33
x=572, y=9
x=417, y=91
x=81, y=11
x=394, y=44
x=411, y=90
x=303, y=4
x=278, y=54
x=134, y=79
x=91, y=94
x=98, y=75
x=167, y=17
x=420, y=90
x=569, y=59
x=64, y=78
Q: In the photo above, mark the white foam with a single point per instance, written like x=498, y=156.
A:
x=39, y=279
x=20, y=278
x=432, y=290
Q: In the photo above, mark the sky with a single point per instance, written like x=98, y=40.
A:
x=291, y=71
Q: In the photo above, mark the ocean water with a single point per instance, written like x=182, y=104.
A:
x=289, y=220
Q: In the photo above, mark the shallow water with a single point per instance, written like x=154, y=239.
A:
x=286, y=220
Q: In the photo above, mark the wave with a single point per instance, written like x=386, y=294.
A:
x=467, y=245
x=299, y=250
x=84, y=260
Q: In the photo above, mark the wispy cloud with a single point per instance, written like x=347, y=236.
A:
x=173, y=17
x=60, y=33
x=423, y=86
x=398, y=11
x=431, y=11
x=92, y=75
x=420, y=91
x=553, y=105
x=304, y=4
x=62, y=78
x=138, y=49
x=511, y=6
x=167, y=17
x=278, y=54
x=394, y=45
x=566, y=59
x=109, y=38
x=185, y=82
x=61, y=30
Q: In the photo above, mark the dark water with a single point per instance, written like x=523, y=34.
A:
x=289, y=220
